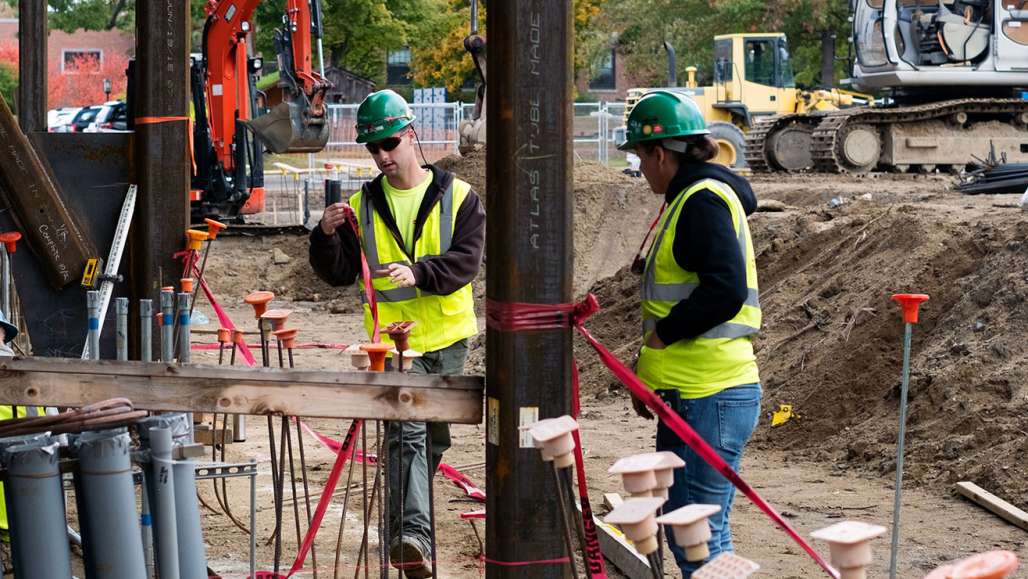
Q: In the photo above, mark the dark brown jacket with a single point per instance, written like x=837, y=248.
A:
x=336, y=258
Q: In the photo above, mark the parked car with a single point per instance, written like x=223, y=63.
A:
x=58, y=120
x=83, y=119
x=111, y=118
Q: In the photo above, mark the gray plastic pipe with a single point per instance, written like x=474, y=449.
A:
x=168, y=326
x=146, y=330
x=160, y=482
x=121, y=308
x=182, y=307
x=35, y=509
x=93, y=316
x=108, y=503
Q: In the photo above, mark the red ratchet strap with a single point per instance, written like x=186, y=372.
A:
x=459, y=479
x=158, y=120
x=301, y=346
x=524, y=317
x=519, y=317
x=649, y=232
x=369, y=291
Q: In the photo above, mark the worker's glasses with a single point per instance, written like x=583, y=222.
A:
x=383, y=145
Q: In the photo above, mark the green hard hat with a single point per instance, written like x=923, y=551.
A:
x=382, y=114
x=663, y=114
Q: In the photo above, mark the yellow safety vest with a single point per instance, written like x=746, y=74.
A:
x=6, y=414
x=442, y=320
x=723, y=356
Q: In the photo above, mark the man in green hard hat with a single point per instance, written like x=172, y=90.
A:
x=422, y=231
x=699, y=303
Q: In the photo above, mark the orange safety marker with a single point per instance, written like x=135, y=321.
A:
x=691, y=528
x=195, y=239
x=377, y=354
x=727, y=566
x=10, y=240
x=637, y=519
x=224, y=337
x=287, y=337
x=259, y=301
x=850, y=545
x=990, y=565
x=186, y=284
x=214, y=228
x=277, y=318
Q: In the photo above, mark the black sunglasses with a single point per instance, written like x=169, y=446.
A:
x=384, y=145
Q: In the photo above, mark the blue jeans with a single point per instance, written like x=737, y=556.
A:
x=725, y=420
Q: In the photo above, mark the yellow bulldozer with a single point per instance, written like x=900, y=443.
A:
x=753, y=78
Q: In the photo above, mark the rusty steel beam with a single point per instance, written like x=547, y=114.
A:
x=530, y=231
x=30, y=191
x=32, y=62
x=162, y=145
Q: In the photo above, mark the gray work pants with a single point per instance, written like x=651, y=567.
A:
x=407, y=457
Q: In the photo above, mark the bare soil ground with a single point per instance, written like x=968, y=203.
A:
x=831, y=347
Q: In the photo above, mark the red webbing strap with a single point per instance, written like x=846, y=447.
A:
x=649, y=232
x=520, y=317
x=349, y=445
x=189, y=261
x=369, y=291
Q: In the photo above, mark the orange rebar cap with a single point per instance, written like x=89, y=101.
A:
x=288, y=337
x=377, y=354
x=277, y=318
x=238, y=337
x=214, y=228
x=195, y=239
x=259, y=300
x=186, y=284
x=910, y=303
x=224, y=335
x=10, y=240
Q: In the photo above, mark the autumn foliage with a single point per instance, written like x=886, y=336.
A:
x=80, y=83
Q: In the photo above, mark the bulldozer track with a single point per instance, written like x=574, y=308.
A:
x=756, y=139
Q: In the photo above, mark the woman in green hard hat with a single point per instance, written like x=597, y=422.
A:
x=699, y=302
x=422, y=231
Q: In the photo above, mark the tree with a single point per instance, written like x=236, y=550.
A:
x=81, y=82
x=71, y=15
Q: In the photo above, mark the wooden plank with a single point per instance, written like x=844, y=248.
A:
x=998, y=506
x=238, y=390
x=619, y=551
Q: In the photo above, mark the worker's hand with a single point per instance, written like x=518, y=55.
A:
x=400, y=274
x=641, y=409
x=653, y=341
x=335, y=215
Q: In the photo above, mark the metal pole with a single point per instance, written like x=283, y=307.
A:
x=35, y=510
x=121, y=308
x=146, y=330
x=183, y=328
x=161, y=484
x=168, y=325
x=109, y=504
x=93, y=314
x=6, y=257
x=529, y=214
x=897, y=499
x=253, y=519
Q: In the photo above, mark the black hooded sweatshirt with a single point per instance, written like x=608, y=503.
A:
x=706, y=243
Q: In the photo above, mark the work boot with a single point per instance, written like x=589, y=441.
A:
x=415, y=565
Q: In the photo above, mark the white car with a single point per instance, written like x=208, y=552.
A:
x=59, y=120
x=112, y=118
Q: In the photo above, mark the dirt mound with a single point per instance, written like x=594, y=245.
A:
x=612, y=213
x=832, y=339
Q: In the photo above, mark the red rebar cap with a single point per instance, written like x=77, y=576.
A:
x=10, y=240
x=910, y=304
x=186, y=284
x=214, y=228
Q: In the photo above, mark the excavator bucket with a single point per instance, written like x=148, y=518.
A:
x=288, y=128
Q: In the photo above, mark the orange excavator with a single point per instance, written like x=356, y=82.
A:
x=228, y=139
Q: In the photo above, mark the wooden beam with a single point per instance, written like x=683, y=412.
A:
x=998, y=506
x=237, y=390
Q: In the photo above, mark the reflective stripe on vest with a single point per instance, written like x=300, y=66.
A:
x=675, y=292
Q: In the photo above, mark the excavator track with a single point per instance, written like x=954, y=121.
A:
x=756, y=139
x=850, y=141
x=771, y=143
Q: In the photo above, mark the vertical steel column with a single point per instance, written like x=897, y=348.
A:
x=93, y=319
x=32, y=36
x=146, y=330
x=161, y=144
x=160, y=484
x=529, y=209
x=168, y=326
x=35, y=510
x=108, y=502
x=121, y=309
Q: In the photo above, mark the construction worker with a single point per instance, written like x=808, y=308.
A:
x=699, y=302
x=422, y=231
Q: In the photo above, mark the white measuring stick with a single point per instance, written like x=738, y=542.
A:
x=114, y=258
